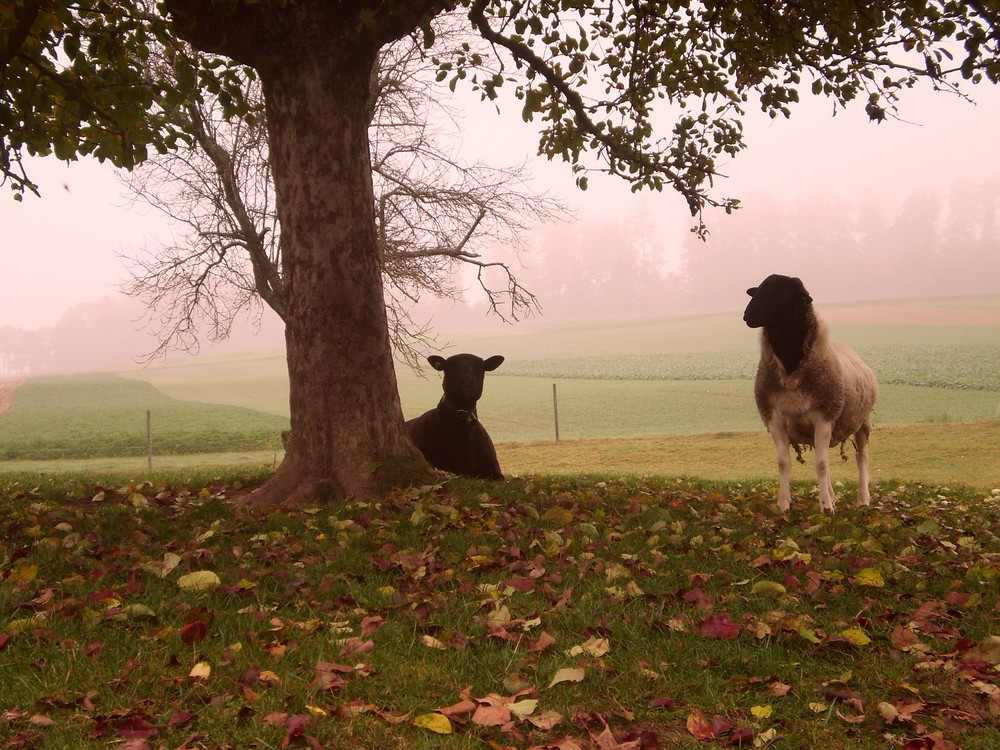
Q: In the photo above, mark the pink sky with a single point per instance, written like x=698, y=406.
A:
x=63, y=248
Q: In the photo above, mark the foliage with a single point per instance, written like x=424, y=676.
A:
x=543, y=612
x=595, y=76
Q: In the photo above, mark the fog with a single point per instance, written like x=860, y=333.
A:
x=861, y=211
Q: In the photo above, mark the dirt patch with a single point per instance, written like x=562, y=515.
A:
x=7, y=390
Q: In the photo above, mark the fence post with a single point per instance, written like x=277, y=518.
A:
x=149, y=439
x=555, y=410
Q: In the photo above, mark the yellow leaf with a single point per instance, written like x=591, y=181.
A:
x=24, y=573
x=856, y=636
x=269, y=678
x=818, y=708
x=761, y=712
x=139, y=612
x=316, y=711
x=201, y=671
x=434, y=722
x=568, y=674
x=809, y=635
x=768, y=589
x=869, y=577
x=201, y=580
x=523, y=708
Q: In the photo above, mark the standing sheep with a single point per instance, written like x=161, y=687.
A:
x=450, y=436
x=809, y=390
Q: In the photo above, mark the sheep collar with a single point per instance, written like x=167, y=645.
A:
x=465, y=416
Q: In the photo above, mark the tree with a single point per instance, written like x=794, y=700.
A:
x=433, y=212
x=592, y=73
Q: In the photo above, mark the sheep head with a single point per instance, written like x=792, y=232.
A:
x=777, y=301
x=463, y=377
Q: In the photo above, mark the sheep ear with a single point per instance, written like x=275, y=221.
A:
x=492, y=363
x=752, y=291
x=436, y=362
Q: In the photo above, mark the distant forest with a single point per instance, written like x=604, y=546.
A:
x=927, y=244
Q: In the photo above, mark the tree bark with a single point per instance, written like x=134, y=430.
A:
x=348, y=437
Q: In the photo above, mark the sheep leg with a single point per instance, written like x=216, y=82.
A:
x=781, y=447
x=822, y=433
x=861, y=454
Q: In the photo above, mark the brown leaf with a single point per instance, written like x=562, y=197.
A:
x=356, y=646
x=491, y=716
x=370, y=624
x=465, y=706
x=541, y=643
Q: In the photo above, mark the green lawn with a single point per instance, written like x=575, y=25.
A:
x=584, y=612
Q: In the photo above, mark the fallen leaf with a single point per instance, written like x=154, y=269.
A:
x=989, y=649
x=201, y=580
x=761, y=712
x=718, y=627
x=567, y=674
x=869, y=577
x=768, y=589
x=856, y=636
x=194, y=632
x=432, y=642
x=434, y=722
x=201, y=671
x=545, y=720
x=491, y=716
x=596, y=647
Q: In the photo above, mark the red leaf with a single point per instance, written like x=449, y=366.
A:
x=699, y=725
x=181, y=719
x=522, y=585
x=719, y=627
x=742, y=736
x=135, y=727
x=194, y=632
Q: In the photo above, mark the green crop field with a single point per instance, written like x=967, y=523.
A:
x=650, y=380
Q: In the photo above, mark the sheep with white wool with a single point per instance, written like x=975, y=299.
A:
x=809, y=390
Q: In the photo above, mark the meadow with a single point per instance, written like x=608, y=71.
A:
x=659, y=381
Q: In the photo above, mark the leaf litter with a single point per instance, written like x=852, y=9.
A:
x=541, y=613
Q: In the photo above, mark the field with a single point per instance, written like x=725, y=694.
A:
x=656, y=381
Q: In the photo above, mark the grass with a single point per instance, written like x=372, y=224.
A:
x=101, y=415
x=586, y=611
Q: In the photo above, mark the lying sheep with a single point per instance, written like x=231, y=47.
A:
x=450, y=436
x=809, y=390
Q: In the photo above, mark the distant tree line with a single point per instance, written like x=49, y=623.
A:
x=930, y=244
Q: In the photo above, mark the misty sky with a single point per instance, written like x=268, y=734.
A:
x=63, y=248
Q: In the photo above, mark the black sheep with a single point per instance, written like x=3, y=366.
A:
x=451, y=436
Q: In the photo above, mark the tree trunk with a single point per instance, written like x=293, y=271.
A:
x=348, y=438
